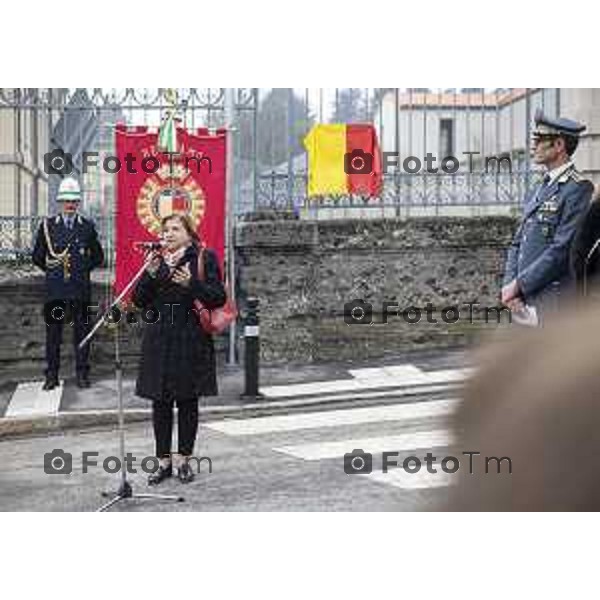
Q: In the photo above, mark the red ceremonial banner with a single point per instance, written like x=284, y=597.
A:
x=152, y=184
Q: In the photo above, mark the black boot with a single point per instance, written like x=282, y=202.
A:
x=51, y=382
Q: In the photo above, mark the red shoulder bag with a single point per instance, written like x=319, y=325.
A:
x=214, y=320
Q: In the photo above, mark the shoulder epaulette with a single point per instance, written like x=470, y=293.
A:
x=575, y=175
x=571, y=174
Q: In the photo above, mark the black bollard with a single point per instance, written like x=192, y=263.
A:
x=252, y=349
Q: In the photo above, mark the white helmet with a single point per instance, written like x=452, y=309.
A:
x=69, y=190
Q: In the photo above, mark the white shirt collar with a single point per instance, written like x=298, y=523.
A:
x=556, y=173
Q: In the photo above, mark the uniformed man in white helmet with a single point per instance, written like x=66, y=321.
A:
x=67, y=249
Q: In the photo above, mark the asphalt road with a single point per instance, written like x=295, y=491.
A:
x=283, y=463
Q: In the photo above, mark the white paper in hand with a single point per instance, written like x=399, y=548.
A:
x=527, y=316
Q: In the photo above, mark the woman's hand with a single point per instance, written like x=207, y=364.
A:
x=154, y=264
x=182, y=275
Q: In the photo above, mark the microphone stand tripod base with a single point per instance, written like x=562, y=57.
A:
x=125, y=490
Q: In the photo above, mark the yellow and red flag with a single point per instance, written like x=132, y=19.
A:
x=343, y=159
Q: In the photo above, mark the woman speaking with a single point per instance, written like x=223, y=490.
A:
x=178, y=361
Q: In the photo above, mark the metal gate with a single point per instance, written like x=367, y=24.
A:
x=269, y=163
x=35, y=121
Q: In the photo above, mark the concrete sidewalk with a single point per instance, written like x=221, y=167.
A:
x=286, y=388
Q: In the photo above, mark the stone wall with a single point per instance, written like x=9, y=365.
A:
x=22, y=329
x=304, y=272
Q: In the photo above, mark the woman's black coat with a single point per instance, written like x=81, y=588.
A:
x=178, y=358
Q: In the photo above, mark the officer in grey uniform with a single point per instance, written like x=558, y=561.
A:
x=67, y=249
x=537, y=269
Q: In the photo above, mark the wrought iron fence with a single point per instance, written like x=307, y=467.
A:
x=269, y=161
x=401, y=193
x=472, y=124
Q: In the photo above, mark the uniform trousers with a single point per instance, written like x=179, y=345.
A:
x=76, y=314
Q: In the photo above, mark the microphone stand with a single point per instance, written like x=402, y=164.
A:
x=125, y=489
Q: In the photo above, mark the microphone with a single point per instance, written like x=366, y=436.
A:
x=156, y=245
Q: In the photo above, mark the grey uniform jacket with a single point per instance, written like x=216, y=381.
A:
x=539, y=254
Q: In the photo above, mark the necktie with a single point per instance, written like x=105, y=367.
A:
x=542, y=187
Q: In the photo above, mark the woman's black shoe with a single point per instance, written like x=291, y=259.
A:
x=160, y=475
x=185, y=473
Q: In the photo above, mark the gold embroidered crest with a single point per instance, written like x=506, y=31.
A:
x=166, y=192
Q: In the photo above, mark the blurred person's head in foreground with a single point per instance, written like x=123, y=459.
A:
x=535, y=399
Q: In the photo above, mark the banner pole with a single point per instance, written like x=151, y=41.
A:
x=229, y=212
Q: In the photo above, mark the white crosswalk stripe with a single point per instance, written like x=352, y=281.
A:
x=422, y=428
x=29, y=399
x=438, y=438
x=417, y=444
x=333, y=418
x=369, y=379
